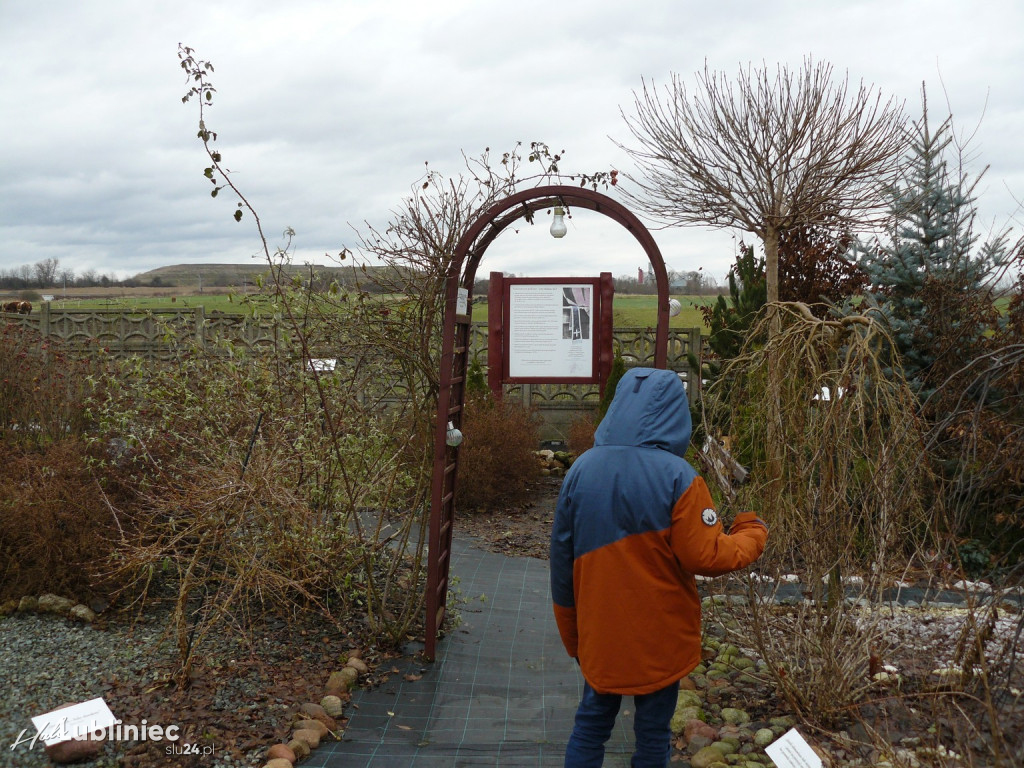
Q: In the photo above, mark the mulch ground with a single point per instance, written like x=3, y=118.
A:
x=244, y=692
x=522, y=530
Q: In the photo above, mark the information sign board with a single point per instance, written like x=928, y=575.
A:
x=551, y=331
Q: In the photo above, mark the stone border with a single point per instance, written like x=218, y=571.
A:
x=313, y=723
x=52, y=604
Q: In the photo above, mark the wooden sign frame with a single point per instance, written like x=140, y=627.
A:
x=532, y=316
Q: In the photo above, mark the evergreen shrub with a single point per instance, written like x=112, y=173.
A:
x=617, y=372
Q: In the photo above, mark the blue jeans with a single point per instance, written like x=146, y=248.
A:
x=595, y=719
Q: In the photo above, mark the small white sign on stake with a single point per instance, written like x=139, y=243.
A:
x=324, y=364
x=74, y=722
x=791, y=751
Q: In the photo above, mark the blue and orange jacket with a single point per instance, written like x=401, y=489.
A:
x=633, y=525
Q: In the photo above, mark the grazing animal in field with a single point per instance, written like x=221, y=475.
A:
x=19, y=307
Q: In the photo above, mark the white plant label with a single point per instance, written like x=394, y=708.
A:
x=791, y=751
x=75, y=722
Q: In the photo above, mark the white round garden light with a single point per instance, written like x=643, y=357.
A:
x=454, y=436
x=558, y=228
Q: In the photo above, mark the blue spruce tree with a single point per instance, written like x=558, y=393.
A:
x=928, y=280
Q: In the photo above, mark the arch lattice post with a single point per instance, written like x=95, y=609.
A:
x=455, y=354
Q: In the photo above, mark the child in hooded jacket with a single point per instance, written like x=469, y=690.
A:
x=634, y=525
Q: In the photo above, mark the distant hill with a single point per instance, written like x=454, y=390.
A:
x=236, y=275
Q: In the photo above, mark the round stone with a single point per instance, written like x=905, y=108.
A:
x=764, y=736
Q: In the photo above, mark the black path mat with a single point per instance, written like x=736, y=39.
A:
x=502, y=691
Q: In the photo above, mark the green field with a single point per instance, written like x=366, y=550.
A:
x=629, y=310
x=220, y=302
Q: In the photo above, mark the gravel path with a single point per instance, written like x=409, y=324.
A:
x=238, y=705
x=47, y=661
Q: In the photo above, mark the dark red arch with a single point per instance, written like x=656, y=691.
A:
x=455, y=348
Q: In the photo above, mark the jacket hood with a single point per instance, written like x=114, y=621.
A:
x=649, y=410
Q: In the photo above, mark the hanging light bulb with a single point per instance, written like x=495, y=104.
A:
x=558, y=228
x=454, y=436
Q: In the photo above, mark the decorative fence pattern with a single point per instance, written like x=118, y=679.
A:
x=634, y=344
x=155, y=334
x=150, y=333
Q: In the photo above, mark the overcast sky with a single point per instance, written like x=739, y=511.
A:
x=327, y=111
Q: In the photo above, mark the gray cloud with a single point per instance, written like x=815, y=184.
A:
x=327, y=111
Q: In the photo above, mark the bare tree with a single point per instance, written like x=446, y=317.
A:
x=46, y=272
x=768, y=154
x=694, y=281
x=66, y=275
x=417, y=246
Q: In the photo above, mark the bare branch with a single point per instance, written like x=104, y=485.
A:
x=765, y=154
